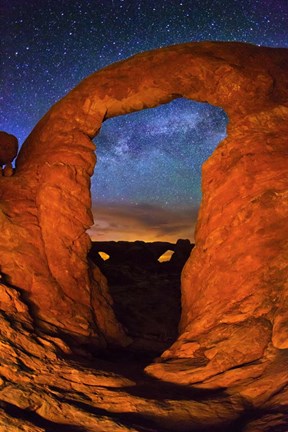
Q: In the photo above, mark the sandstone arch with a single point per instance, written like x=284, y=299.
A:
x=233, y=286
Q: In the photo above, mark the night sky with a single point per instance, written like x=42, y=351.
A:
x=147, y=180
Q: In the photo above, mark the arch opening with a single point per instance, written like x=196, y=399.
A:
x=148, y=161
x=166, y=256
x=146, y=193
x=104, y=256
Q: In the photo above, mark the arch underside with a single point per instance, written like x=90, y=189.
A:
x=234, y=297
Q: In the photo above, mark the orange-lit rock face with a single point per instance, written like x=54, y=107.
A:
x=234, y=297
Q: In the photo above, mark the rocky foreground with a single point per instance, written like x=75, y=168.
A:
x=47, y=385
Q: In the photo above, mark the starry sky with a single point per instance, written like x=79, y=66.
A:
x=147, y=182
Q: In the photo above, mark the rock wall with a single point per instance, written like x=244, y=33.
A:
x=234, y=286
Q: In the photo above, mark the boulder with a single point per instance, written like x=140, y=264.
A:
x=8, y=152
x=8, y=148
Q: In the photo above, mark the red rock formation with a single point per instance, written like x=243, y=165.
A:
x=233, y=331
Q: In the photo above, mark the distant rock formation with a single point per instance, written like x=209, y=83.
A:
x=233, y=329
x=141, y=253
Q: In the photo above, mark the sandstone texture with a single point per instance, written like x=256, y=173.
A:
x=44, y=387
x=229, y=366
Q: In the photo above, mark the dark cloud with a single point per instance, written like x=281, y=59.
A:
x=147, y=222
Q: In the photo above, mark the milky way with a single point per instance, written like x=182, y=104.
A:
x=151, y=159
x=163, y=148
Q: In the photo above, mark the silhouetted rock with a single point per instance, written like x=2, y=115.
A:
x=140, y=253
x=146, y=292
x=181, y=254
x=159, y=248
x=8, y=152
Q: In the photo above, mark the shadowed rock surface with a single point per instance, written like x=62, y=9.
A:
x=229, y=366
x=146, y=292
